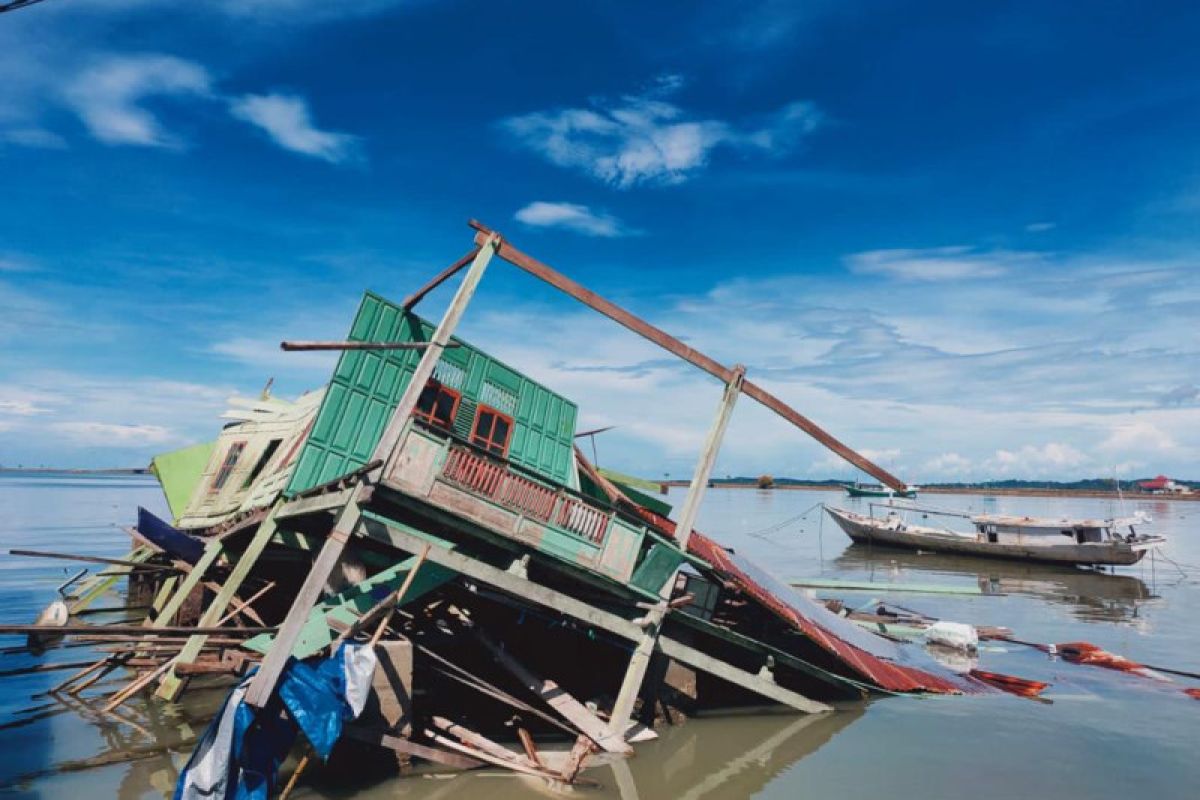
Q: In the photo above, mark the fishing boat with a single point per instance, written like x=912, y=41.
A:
x=859, y=490
x=1061, y=541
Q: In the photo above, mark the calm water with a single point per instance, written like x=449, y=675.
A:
x=1101, y=735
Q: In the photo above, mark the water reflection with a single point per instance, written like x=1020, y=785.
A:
x=1089, y=594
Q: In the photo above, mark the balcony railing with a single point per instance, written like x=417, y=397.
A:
x=495, y=481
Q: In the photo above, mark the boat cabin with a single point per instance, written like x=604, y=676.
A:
x=1033, y=531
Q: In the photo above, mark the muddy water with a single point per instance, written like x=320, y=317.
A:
x=1099, y=735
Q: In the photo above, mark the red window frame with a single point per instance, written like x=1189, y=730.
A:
x=232, y=456
x=486, y=439
x=440, y=389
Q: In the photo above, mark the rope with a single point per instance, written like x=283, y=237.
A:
x=778, y=526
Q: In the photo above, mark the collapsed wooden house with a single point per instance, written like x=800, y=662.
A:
x=431, y=499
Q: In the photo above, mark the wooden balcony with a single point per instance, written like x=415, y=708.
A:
x=514, y=503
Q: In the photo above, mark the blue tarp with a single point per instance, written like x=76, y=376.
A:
x=175, y=542
x=239, y=755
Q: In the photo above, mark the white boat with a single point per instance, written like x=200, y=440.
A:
x=1061, y=541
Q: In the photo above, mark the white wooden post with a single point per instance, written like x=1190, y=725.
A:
x=263, y=685
x=639, y=662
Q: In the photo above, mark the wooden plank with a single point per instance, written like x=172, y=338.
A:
x=171, y=684
x=560, y=700
x=748, y=680
x=878, y=587
x=409, y=747
x=330, y=501
x=299, y=347
x=212, y=550
x=689, y=354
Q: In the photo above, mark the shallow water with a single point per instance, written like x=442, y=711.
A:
x=1102, y=735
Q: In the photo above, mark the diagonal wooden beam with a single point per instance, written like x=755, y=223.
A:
x=689, y=354
x=437, y=280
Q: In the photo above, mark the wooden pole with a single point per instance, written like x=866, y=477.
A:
x=263, y=685
x=295, y=347
x=639, y=662
x=689, y=354
x=438, y=280
x=170, y=685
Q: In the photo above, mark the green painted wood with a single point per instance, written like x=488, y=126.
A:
x=366, y=387
x=658, y=565
x=179, y=473
x=212, y=551
x=170, y=684
x=882, y=588
x=348, y=606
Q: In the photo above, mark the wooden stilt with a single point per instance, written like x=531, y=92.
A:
x=640, y=660
x=171, y=684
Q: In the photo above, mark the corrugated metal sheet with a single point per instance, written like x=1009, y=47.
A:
x=875, y=669
x=366, y=386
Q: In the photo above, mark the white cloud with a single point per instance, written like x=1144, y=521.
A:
x=1041, y=227
x=1139, y=437
x=116, y=435
x=1050, y=459
x=108, y=95
x=644, y=139
x=286, y=119
x=571, y=216
x=948, y=464
x=938, y=263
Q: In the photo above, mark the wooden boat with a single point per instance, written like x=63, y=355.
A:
x=859, y=490
x=1062, y=541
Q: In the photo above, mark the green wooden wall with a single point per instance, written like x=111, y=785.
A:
x=366, y=386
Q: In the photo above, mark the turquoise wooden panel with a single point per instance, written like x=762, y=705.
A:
x=366, y=385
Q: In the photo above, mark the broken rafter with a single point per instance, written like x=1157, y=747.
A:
x=689, y=354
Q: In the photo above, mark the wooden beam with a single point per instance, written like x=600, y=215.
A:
x=438, y=280
x=760, y=683
x=171, y=684
x=560, y=700
x=639, y=661
x=561, y=603
x=330, y=501
x=299, y=347
x=263, y=685
x=409, y=747
x=689, y=354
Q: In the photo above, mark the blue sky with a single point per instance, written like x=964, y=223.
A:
x=962, y=238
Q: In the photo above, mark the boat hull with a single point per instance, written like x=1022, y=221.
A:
x=868, y=531
x=855, y=491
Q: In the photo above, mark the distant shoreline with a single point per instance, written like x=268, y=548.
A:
x=984, y=490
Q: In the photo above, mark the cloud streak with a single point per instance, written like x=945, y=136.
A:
x=939, y=263
x=572, y=217
x=108, y=96
x=287, y=121
x=644, y=139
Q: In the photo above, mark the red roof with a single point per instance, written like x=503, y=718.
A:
x=1157, y=483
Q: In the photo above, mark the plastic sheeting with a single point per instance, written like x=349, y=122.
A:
x=239, y=755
